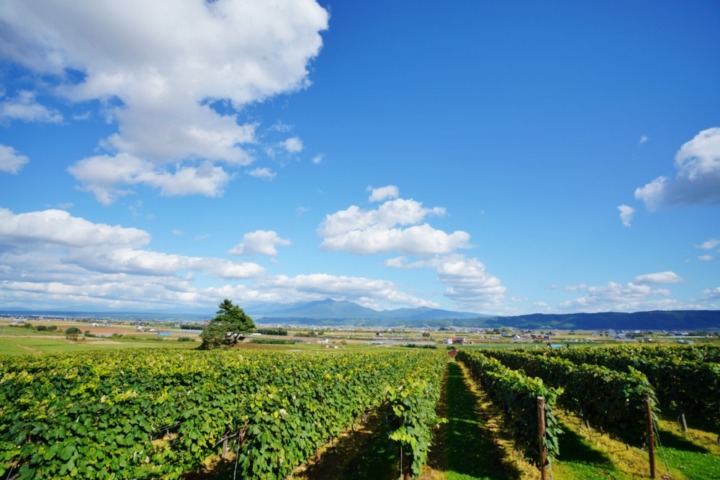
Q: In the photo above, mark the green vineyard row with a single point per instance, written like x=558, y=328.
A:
x=126, y=414
x=611, y=400
x=516, y=394
x=686, y=379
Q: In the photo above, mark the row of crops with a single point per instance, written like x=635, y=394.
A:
x=614, y=389
x=126, y=414
x=162, y=414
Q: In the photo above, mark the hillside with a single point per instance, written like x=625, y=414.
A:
x=333, y=313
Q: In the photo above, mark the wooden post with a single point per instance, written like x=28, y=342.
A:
x=650, y=435
x=683, y=423
x=405, y=467
x=541, y=437
x=224, y=448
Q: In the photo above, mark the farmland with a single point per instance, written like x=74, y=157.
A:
x=344, y=405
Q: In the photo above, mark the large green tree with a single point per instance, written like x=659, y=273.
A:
x=227, y=328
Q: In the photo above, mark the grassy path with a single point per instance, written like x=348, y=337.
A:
x=463, y=447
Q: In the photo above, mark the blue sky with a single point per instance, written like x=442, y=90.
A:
x=500, y=157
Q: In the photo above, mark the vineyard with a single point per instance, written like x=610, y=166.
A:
x=178, y=413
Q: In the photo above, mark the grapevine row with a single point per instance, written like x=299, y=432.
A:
x=130, y=414
x=681, y=381
x=613, y=401
x=516, y=394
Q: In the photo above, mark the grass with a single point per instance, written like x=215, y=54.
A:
x=22, y=345
x=579, y=459
x=694, y=453
x=463, y=447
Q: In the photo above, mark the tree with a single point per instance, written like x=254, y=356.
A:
x=227, y=328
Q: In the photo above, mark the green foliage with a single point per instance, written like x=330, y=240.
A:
x=134, y=414
x=272, y=331
x=686, y=378
x=273, y=341
x=411, y=405
x=72, y=330
x=227, y=328
x=516, y=394
x=611, y=400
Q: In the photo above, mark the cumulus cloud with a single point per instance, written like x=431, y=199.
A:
x=59, y=228
x=50, y=258
x=70, y=259
x=643, y=139
x=11, y=161
x=264, y=173
x=712, y=294
x=710, y=244
x=620, y=297
x=107, y=177
x=383, y=193
x=626, y=215
x=176, y=84
x=393, y=226
x=24, y=107
x=263, y=242
x=293, y=145
x=697, y=177
x=373, y=293
x=469, y=285
x=658, y=278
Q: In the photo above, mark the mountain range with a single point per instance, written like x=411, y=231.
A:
x=329, y=309
x=343, y=313
x=330, y=312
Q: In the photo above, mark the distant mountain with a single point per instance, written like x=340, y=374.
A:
x=325, y=309
x=344, y=311
x=653, y=320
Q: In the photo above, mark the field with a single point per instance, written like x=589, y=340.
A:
x=118, y=403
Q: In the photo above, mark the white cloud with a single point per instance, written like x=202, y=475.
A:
x=318, y=159
x=105, y=177
x=260, y=241
x=469, y=285
x=705, y=258
x=468, y=282
x=25, y=108
x=626, y=215
x=618, y=297
x=11, y=161
x=709, y=244
x=712, y=293
x=59, y=228
x=383, y=193
x=658, y=278
x=697, y=178
x=176, y=84
x=264, y=173
x=293, y=145
x=51, y=258
x=643, y=139
x=369, y=292
x=381, y=230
